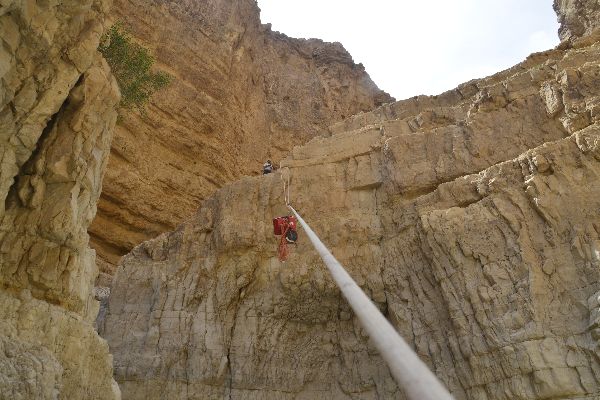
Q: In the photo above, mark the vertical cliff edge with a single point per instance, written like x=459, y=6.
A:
x=57, y=112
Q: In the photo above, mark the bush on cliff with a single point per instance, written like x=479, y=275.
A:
x=131, y=65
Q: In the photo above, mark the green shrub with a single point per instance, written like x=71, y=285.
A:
x=131, y=65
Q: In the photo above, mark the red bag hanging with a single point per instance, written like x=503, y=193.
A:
x=286, y=227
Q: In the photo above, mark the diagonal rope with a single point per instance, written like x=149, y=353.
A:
x=411, y=374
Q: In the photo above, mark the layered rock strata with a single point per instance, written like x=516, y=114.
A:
x=57, y=113
x=470, y=218
x=240, y=94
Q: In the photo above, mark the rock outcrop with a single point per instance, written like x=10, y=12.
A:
x=577, y=17
x=240, y=94
x=57, y=113
x=470, y=218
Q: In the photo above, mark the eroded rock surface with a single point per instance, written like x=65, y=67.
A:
x=57, y=114
x=470, y=218
x=577, y=17
x=241, y=94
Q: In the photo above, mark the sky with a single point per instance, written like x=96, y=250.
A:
x=422, y=46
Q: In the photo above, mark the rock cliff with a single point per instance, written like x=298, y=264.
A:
x=577, y=17
x=241, y=94
x=57, y=113
x=470, y=218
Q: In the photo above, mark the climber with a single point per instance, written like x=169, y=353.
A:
x=286, y=227
x=267, y=167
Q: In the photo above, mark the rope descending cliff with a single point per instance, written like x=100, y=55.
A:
x=412, y=375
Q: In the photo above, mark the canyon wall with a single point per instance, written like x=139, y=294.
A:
x=57, y=113
x=240, y=94
x=470, y=218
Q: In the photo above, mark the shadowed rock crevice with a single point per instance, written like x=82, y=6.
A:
x=12, y=197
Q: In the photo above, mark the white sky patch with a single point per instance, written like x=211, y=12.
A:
x=541, y=40
x=422, y=47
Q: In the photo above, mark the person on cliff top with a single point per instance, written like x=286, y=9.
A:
x=267, y=167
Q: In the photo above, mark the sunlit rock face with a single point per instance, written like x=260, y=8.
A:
x=241, y=94
x=470, y=218
x=57, y=113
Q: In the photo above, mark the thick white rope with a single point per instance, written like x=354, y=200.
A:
x=411, y=374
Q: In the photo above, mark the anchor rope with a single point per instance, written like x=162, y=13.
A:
x=411, y=374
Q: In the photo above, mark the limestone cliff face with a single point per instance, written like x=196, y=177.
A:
x=57, y=113
x=470, y=218
x=577, y=17
x=241, y=94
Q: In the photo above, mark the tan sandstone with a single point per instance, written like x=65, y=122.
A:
x=470, y=218
x=240, y=94
x=57, y=114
